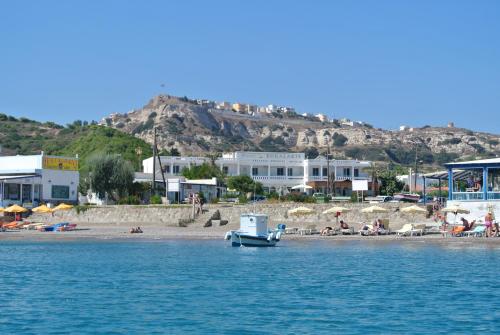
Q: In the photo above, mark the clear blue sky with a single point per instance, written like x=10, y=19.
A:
x=384, y=62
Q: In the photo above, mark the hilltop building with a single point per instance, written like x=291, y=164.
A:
x=31, y=180
x=277, y=171
x=224, y=105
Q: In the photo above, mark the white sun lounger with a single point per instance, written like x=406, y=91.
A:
x=405, y=230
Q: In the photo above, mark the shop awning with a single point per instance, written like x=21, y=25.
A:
x=443, y=175
x=14, y=177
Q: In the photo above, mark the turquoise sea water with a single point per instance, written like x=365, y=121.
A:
x=208, y=287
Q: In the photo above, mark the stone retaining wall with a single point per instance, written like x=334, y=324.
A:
x=169, y=215
x=278, y=214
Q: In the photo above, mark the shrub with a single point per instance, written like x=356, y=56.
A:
x=242, y=199
x=129, y=200
x=155, y=200
x=339, y=140
x=451, y=141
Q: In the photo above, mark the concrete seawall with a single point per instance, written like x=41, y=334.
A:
x=278, y=213
x=168, y=215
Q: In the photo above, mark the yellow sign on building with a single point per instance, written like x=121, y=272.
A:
x=58, y=163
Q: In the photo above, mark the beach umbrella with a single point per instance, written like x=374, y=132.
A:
x=62, y=207
x=15, y=209
x=414, y=209
x=335, y=210
x=455, y=209
x=374, y=209
x=42, y=209
x=300, y=211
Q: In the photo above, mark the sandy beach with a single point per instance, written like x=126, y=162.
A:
x=100, y=231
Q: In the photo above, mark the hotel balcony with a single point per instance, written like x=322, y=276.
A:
x=261, y=178
x=337, y=178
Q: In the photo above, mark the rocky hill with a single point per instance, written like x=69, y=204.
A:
x=195, y=128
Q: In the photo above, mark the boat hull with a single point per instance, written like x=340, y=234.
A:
x=238, y=240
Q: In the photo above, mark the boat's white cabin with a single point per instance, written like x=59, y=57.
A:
x=253, y=224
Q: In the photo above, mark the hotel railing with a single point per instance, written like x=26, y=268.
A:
x=276, y=177
x=493, y=195
x=467, y=195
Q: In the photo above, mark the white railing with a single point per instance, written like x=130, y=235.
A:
x=276, y=177
x=493, y=195
x=467, y=196
x=317, y=178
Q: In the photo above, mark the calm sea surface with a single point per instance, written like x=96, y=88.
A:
x=208, y=287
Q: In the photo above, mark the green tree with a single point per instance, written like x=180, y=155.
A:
x=389, y=184
x=203, y=171
x=244, y=184
x=111, y=175
x=174, y=152
x=311, y=152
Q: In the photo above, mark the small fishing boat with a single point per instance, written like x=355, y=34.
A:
x=253, y=232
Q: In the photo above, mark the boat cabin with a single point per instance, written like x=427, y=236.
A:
x=254, y=224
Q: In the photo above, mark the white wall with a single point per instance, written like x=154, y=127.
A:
x=20, y=164
x=57, y=177
x=478, y=210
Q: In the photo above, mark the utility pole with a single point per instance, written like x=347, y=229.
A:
x=416, y=169
x=328, y=167
x=153, y=186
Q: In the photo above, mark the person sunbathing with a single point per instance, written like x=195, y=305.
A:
x=326, y=231
x=343, y=225
x=467, y=225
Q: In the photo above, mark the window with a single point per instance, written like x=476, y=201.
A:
x=347, y=172
x=325, y=172
x=176, y=169
x=255, y=171
x=356, y=172
x=12, y=191
x=315, y=172
x=280, y=171
x=290, y=171
x=225, y=169
x=60, y=192
x=26, y=193
x=166, y=169
x=37, y=192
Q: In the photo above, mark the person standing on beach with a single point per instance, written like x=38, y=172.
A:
x=488, y=222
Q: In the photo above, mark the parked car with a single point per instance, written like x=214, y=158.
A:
x=379, y=199
x=257, y=197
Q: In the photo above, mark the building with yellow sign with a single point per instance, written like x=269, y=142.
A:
x=35, y=179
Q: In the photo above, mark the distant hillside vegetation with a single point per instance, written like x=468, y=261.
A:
x=26, y=137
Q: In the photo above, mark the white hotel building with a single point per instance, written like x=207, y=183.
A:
x=277, y=171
